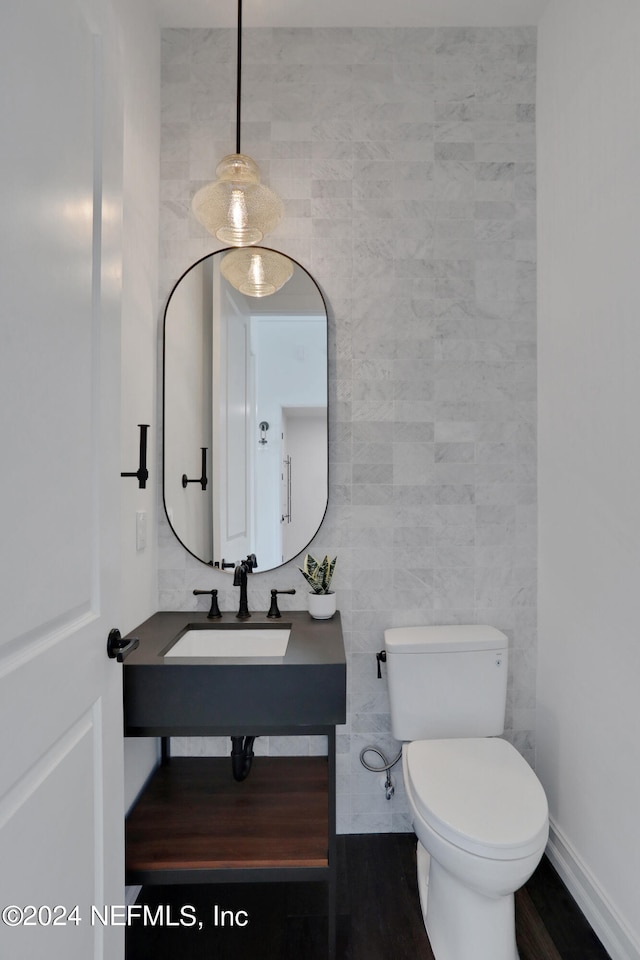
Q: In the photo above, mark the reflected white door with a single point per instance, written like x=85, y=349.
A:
x=61, y=792
x=304, y=474
x=232, y=430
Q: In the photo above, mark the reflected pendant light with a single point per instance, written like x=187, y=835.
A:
x=256, y=273
x=237, y=208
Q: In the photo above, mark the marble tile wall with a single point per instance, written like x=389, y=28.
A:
x=406, y=162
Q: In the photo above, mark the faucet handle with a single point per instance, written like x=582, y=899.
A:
x=274, y=612
x=214, y=610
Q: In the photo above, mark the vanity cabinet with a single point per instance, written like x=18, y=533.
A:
x=193, y=822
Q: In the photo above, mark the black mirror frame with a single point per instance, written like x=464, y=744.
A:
x=218, y=564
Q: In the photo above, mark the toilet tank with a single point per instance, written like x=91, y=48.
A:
x=446, y=681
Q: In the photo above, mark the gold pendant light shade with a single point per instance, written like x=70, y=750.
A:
x=256, y=273
x=237, y=208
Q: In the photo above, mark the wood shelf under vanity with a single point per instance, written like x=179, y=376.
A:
x=193, y=821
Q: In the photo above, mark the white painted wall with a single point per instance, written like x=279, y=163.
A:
x=141, y=81
x=588, y=750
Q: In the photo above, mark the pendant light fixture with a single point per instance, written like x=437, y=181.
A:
x=237, y=208
x=256, y=272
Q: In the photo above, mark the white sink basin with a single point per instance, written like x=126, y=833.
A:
x=214, y=642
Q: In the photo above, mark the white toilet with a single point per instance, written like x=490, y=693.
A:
x=477, y=807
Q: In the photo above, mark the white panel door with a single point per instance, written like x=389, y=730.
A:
x=61, y=791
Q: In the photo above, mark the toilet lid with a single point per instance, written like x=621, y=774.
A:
x=479, y=794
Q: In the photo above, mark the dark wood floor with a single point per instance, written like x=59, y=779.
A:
x=379, y=914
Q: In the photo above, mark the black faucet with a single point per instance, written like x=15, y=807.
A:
x=240, y=580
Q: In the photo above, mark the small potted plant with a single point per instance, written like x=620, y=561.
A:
x=322, y=600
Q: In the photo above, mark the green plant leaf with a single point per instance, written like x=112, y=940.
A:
x=311, y=566
x=318, y=575
x=316, y=588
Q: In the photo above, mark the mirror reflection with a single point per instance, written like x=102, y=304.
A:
x=245, y=409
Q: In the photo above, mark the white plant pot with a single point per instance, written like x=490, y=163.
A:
x=322, y=606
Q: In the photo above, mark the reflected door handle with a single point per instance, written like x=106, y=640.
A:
x=202, y=479
x=117, y=648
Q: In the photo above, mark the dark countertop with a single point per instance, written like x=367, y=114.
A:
x=311, y=641
x=301, y=692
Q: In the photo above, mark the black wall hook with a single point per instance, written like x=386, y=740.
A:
x=141, y=473
x=202, y=479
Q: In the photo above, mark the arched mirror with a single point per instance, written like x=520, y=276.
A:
x=245, y=408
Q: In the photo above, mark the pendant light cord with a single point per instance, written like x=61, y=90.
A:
x=238, y=76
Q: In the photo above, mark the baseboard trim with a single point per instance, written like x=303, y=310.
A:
x=619, y=942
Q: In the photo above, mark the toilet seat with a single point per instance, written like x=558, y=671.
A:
x=479, y=794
